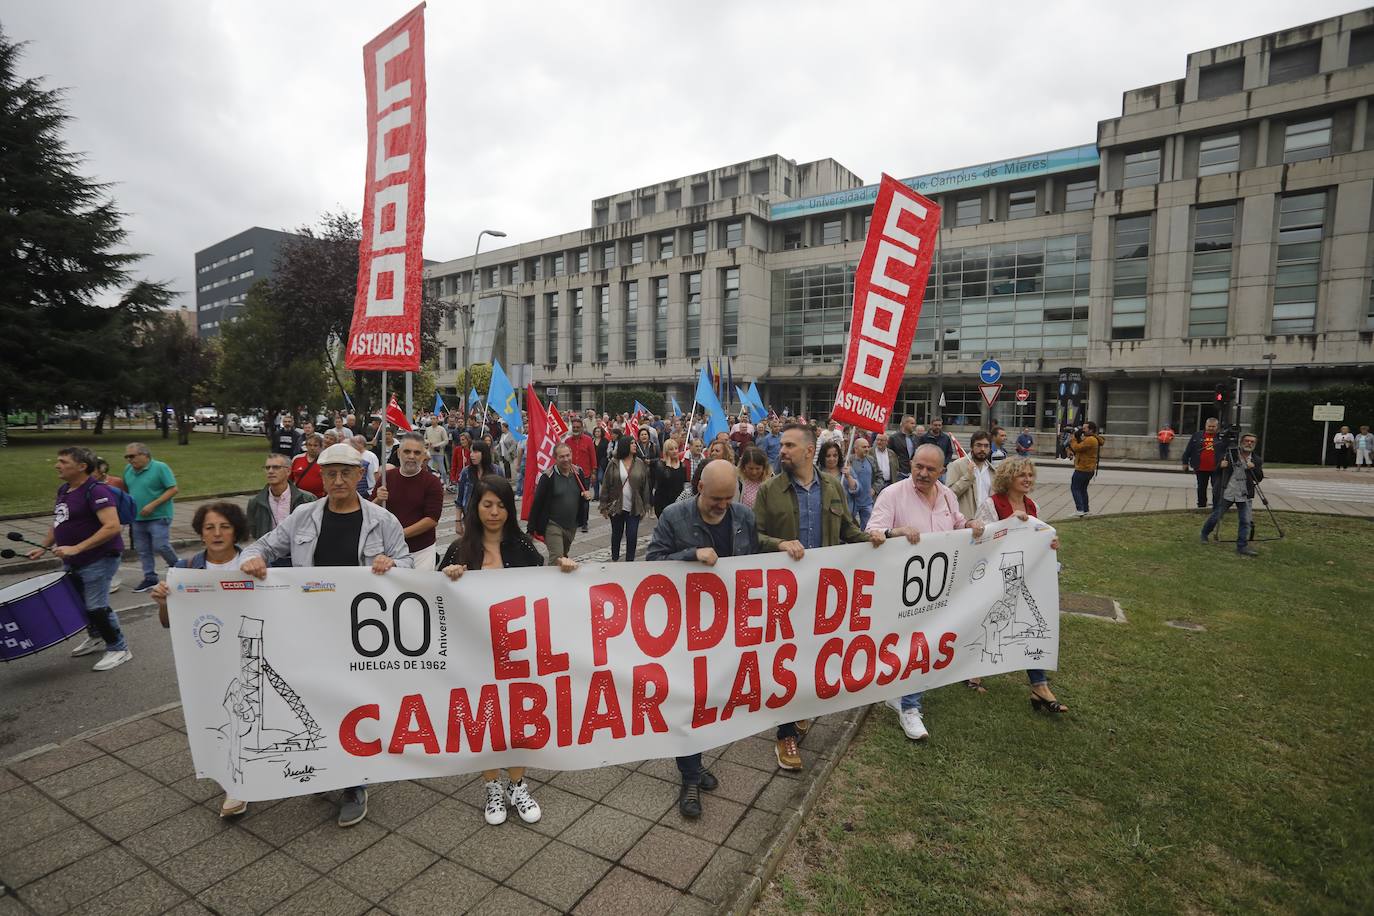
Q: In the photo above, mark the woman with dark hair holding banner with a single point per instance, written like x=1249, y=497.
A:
x=495, y=541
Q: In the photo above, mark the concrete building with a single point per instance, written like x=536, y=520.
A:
x=226, y=270
x=1222, y=224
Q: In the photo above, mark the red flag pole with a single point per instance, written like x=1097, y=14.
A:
x=381, y=437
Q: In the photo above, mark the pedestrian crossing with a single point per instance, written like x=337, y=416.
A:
x=1331, y=492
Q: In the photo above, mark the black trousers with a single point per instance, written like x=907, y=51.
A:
x=1206, y=479
x=690, y=767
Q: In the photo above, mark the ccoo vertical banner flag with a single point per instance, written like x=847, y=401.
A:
x=888, y=288
x=385, y=333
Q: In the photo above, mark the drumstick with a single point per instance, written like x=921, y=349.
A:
x=16, y=536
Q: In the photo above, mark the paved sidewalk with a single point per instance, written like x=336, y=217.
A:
x=115, y=822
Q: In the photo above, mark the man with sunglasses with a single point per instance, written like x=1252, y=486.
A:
x=270, y=506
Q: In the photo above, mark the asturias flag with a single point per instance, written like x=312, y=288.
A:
x=710, y=405
x=501, y=398
x=538, y=450
x=396, y=416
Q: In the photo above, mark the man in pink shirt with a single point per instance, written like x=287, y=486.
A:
x=910, y=509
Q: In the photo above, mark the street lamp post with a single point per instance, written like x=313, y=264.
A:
x=471, y=310
x=1268, y=388
x=604, y=377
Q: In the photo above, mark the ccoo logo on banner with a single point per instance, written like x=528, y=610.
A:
x=888, y=288
x=408, y=675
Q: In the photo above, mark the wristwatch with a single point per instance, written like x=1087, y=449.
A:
x=887, y=533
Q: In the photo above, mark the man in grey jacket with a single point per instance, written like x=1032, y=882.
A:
x=703, y=530
x=339, y=530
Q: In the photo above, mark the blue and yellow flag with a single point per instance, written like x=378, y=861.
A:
x=710, y=405
x=501, y=399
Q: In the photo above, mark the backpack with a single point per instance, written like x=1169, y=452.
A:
x=124, y=504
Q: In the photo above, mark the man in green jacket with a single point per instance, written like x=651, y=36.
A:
x=270, y=506
x=801, y=509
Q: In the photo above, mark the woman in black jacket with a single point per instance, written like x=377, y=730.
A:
x=668, y=477
x=493, y=540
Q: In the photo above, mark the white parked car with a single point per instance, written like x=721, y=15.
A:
x=249, y=424
x=207, y=415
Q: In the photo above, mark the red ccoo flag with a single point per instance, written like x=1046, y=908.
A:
x=396, y=416
x=539, y=448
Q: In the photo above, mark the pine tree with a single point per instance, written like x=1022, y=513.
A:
x=59, y=238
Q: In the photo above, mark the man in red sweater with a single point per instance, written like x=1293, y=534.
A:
x=583, y=452
x=416, y=497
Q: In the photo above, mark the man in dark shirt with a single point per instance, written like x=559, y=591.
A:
x=904, y=443
x=937, y=437
x=286, y=439
x=416, y=497
x=560, y=504
x=335, y=531
x=703, y=530
x=86, y=530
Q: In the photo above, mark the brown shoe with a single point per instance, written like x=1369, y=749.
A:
x=803, y=726
x=789, y=758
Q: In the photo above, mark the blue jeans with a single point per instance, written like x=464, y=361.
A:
x=438, y=462
x=95, y=591
x=862, y=515
x=912, y=701
x=151, y=542
x=1243, y=507
x=600, y=473
x=1078, y=486
x=627, y=524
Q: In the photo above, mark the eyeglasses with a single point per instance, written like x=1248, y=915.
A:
x=274, y=467
x=130, y=457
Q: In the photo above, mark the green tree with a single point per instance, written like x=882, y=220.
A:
x=178, y=371
x=262, y=366
x=59, y=232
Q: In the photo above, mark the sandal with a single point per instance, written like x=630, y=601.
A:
x=1051, y=706
x=976, y=685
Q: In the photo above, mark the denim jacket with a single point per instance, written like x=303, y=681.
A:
x=297, y=535
x=681, y=531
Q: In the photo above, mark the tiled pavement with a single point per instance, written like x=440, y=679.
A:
x=114, y=822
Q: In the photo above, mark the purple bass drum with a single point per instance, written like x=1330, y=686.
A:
x=38, y=613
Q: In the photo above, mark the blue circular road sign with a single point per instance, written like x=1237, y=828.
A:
x=990, y=372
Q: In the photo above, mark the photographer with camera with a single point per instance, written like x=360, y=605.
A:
x=1084, y=447
x=1237, y=489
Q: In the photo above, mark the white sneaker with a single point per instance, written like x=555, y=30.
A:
x=524, y=803
x=114, y=586
x=88, y=646
x=496, y=803
x=112, y=660
x=911, y=721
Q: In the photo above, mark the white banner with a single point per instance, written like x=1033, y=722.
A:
x=324, y=678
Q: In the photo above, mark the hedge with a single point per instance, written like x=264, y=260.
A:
x=1293, y=435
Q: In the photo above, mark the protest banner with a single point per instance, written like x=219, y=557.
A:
x=889, y=285
x=385, y=332
x=317, y=679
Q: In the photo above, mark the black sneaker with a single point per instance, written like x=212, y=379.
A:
x=709, y=781
x=689, y=801
x=145, y=586
x=353, y=806
x=1248, y=552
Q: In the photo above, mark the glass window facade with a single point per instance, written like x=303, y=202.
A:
x=1219, y=154
x=631, y=321
x=1307, y=140
x=577, y=325
x=672, y=200
x=692, y=289
x=559, y=265
x=583, y=261
x=1221, y=79
x=968, y=211
x=528, y=303
x=699, y=240
x=603, y=323
x=1141, y=169
x=1021, y=204
x=608, y=256
x=1130, y=268
x=1078, y=195
x=1294, y=63
x=1023, y=296
x=537, y=269
x=1302, y=220
x=734, y=234
x=551, y=322
x=636, y=251
x=830, y=232
x=665, y=245
x=660, y=317
x=810, y=313
x=729, y=311
x=1214, y=230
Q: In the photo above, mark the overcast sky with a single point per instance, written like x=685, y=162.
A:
x=210, y=117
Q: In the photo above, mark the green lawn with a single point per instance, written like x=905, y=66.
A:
x=208, y=465
x=1230, y=770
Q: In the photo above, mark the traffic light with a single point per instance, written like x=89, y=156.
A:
x=1220, y=396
